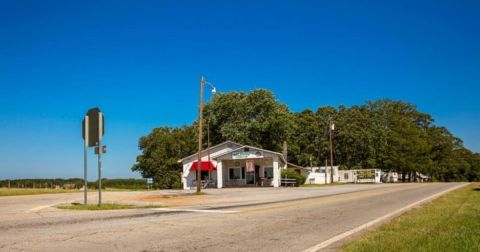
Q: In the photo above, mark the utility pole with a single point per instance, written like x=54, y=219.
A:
x=200, y=118
x=330, y=129
x=208, y=148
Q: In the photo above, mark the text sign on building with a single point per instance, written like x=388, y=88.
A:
x=250, y=166
x=365, y=174
x=246, y=154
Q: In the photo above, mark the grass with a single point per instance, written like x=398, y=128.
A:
x=449, y=223
x=106, y=206
x=30, y=191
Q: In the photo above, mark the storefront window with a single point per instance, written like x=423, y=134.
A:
x=234, y=173
x=268, y=172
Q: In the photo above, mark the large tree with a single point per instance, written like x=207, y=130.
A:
x=256, y=118
x=161, y=150
x=384, y=134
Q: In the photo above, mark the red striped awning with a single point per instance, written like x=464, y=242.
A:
x=206, y=166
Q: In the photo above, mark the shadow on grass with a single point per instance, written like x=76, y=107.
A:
x=477, y=189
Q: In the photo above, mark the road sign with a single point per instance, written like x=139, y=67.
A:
x=92, y=133
x=149, y=180
x=95, y=127
x=104, y=149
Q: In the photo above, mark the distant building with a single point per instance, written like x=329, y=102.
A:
x=321, y=175
x=231, y=164
x=317, y=175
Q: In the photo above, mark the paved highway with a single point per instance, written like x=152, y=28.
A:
x=246, y=219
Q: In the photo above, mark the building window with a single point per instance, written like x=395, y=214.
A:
x=234, y=173
x=345, y=176
x=268, y=172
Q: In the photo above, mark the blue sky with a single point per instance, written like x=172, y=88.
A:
x=140, y=62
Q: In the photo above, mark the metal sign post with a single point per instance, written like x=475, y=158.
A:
x=85, y=165
x=93, y=131
x=100, y=150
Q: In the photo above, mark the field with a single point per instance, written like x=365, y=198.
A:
x=450, y=223
x=30, y=191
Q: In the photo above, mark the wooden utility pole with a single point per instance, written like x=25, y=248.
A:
x=208, y=148
x=330, y=129
x=200, y=131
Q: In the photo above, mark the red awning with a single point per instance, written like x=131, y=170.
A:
x=206, y=166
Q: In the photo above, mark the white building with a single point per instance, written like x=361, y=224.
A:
x=234, y=164
x=317, y=175
x=360, y=176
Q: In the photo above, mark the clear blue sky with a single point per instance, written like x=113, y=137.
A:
x=140, y=62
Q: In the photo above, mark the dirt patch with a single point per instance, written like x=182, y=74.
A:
x=168, y=200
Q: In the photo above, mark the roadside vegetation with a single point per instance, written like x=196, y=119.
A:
x=382, y=134
x=72, y=183
x=300, y=180
x=450, y=223
x=30, y=191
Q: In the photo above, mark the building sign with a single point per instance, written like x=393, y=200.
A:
x=365, y=174
x=247, y=154
x=250, y=166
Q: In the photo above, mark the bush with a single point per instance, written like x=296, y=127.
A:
x=292, y=174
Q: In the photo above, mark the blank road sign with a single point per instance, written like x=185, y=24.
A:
x=96, y=127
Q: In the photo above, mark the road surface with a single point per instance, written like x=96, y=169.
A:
x=237, y=219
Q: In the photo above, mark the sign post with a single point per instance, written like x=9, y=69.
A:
x=85, y=148
x=93, y=131
x=149, y=183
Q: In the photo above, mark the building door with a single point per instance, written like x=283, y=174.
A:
x=257, y=174
x=250, y=177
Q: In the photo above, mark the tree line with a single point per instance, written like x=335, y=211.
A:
x=383, y=134
x=73, y=183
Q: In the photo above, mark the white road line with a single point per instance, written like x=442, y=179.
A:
x=373, y=222
x=193, y=210
x=36, y=209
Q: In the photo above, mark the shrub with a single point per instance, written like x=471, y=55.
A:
x=292, y=174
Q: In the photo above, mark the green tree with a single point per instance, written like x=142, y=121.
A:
x=256, y=118
x=160, y=152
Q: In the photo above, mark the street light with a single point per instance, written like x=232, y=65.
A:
x=331, y=127
x=200, y=130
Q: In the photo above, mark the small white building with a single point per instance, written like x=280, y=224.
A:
x=390, y=177
x=234, y=164
x=317, y=175
x=360, y=176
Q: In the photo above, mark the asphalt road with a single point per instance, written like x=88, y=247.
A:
x=247, y=219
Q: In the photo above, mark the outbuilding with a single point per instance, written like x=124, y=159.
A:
x=231, y=164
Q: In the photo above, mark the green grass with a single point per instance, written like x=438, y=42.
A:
x=105, y=206
x=29, y=191
x=449, y=223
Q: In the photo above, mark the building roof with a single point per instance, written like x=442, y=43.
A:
x=251, y=147
x=207, y=149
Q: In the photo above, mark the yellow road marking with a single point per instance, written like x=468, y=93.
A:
x=327, y=199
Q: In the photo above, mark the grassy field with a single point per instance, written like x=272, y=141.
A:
x=29, y=191
x=106, y=206
x=449, y=223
